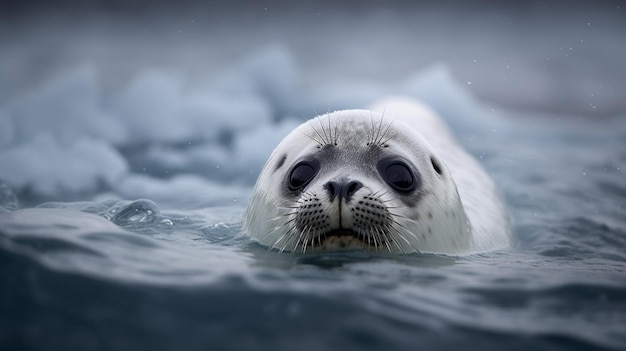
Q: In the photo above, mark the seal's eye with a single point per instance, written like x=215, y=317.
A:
x=398, y=175
x=302, y=174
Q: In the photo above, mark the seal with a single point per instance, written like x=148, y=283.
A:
x=389, y=179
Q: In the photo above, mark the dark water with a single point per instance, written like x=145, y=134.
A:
x=111, y=275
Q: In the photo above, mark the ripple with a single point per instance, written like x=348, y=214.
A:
x=52, y=245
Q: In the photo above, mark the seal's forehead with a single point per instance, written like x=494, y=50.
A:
x=359, y=128
x=354, y=137
x=350, y=127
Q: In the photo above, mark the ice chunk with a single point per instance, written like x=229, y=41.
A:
x=241, y=162
x=270, y=73
x=150, y=108
x=182, y=188
x=67, y=107
x=437, y=88
x=155, y=107
x=67, y=137
x=49, y=167
x=210, y=115
x=252, y=148
x=205, y=158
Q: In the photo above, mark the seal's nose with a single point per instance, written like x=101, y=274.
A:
x=344, y=189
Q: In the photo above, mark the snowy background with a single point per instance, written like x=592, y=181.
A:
x=182, y=102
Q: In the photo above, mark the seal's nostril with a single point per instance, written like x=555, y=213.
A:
x=333, y=189
x=348, y=189
x=345, y=189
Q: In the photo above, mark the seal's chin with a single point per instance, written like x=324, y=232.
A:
x=342, y=239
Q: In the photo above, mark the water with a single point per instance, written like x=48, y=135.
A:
x=130, y=275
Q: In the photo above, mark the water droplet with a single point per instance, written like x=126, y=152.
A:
x=469, y=82
x=139, y=212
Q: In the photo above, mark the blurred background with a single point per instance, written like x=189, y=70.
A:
x=133, y=97
x=556, y=56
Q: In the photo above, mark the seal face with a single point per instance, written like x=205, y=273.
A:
x=358, y=179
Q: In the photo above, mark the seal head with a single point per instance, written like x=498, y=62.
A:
x=356, y=179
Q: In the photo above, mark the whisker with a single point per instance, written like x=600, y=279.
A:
x=336, y=132
x=323, y=141
x=326, y=137
x=389, y=228
x=312, y=137
x=383, y=239
x=381, y=142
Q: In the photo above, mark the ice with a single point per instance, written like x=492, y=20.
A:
x=52, y=168
x=187, y=188
x=437, y=88
x=240, y=161
x=67, y=107
x=252, y=148
x=160, y=137
x=150, y=108
x=271, y=73
x=210, y=115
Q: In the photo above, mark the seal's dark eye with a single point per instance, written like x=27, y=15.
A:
x=399, y=175
x=302, y=174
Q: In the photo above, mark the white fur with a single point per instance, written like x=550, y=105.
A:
x=480, y=198
x=458, y=213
